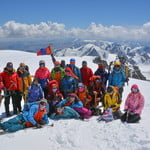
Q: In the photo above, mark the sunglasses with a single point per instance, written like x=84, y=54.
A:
x=117, y=66
x=43, y=103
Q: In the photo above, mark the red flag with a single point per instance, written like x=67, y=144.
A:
x=44, y=51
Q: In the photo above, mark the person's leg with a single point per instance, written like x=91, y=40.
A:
x=6, y=103
x=124, y=117
x=7, y=124
x=15, y=102
x=134, y=118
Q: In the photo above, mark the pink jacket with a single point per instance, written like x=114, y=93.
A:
x=135, y=103
x=42, y=73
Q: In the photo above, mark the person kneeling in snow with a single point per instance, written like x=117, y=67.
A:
x=65, y=112
x=133, y=106
x=111, y=100
x=34, y=115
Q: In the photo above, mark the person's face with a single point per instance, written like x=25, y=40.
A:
x=71, y=99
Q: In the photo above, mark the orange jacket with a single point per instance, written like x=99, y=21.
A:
x=37, y=117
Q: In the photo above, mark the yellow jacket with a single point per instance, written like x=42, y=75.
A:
x=25, y=80
x=111, y=100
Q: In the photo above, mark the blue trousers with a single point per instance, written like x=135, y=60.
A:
x=13, y=124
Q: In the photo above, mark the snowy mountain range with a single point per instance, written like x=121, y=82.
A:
x=134, y=55
x=76, y=134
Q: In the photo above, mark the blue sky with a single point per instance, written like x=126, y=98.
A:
x=76, y=13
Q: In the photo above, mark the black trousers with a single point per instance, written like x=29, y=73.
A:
x=16, y=102
x=130, y=118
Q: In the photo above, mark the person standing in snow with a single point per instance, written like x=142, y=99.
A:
x=104, y=76
x=86, y=73
x=43, y=75
x=11, y=88
x=34, y=116
x=75, y=69
x=133, y=105
x=117, y=78
x=57, y=73
x=25, y=81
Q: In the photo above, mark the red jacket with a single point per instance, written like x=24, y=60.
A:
x=86, y=73
x=10, y=80
x=43, y=73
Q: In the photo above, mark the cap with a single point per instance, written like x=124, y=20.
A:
x=9, y=65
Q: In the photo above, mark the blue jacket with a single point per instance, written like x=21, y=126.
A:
x=117, y=78
x=103, y=74
x=76, y=71
x=68, y=84
x=79, y=104
x=35, y=93
x=28, y=115
x=68, y=113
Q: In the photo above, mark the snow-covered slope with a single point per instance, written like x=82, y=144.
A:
x=77, y=134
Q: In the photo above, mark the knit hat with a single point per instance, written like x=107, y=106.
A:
x=84, y=62
x=72, y=60
x=57, y=63
x=135, y=86
x=100, y=65
x=43, y=100
x=22, y=64
x=41, y=62
x=80, y=84
x=9, y=65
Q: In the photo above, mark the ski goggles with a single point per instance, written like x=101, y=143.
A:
x=54, y=87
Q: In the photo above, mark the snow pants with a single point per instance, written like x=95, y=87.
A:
x=84, y=112
x=13, y=124
x=130, y=118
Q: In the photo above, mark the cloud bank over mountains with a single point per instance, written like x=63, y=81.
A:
x=52, y=30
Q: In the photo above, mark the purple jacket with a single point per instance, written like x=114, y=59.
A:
x=135, y=103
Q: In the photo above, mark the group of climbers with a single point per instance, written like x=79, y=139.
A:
x=70, y=92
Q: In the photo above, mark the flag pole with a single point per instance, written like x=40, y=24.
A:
x=52, y=55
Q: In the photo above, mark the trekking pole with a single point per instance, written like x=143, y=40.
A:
x=2, y=96
x=127, y=116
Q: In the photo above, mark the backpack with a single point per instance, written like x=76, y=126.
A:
x=106, y=116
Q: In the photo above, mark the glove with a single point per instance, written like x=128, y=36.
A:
x=38, y=125
x=131, y=113
x=127, y=79
x=42, y=122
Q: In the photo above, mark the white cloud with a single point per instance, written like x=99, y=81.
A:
x=52, y=30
